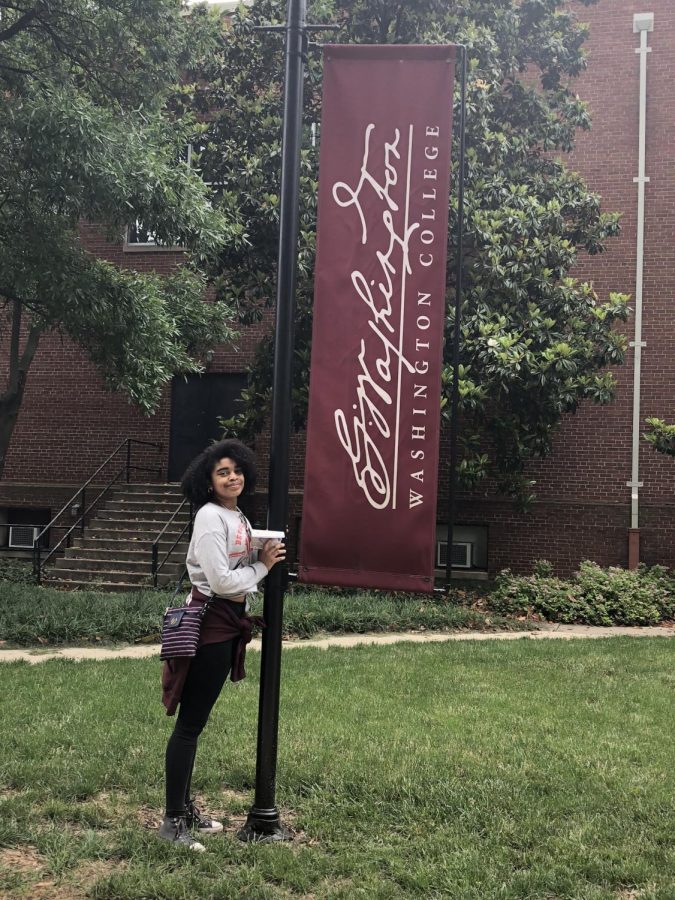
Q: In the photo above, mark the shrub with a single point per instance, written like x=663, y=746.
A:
x=17, y=571
x=594, y=596
x=534, y=596
x=543, y=568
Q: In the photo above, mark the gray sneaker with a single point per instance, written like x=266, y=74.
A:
x=175, y=831
x=198, y=820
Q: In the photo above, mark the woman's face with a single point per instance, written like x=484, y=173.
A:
x=227, y=480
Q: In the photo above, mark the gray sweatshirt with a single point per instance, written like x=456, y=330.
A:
x=219, y=559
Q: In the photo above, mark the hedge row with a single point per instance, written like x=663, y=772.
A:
x=32, y=615
x=594, y=596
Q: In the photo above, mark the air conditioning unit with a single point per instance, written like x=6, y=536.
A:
x=462, y=554
x=22, y=537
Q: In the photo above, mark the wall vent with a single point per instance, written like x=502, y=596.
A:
x=462, y=554
x=22, y=537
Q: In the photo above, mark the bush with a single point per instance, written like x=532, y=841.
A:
x=18, y=571
x=594, y=596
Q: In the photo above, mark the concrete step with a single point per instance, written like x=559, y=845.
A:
x=126, y=565
x=171, y=487
x=121, y=532
x=141, y=553
x=135, y=545
x=114, y=554
x=142, y=526
x=158, y=508
x=103, y=575
x=138, y=552
x=151, y=488
x=150, y=517
x=172, y=499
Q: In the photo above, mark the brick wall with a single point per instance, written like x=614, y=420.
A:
x=583, y=508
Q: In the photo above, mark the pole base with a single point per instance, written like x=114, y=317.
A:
x=263, y=826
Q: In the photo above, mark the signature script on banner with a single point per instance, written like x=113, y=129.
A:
x=370, y=432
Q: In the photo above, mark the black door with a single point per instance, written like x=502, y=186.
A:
x=197, y=402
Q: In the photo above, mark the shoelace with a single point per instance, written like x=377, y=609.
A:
x=194, y=814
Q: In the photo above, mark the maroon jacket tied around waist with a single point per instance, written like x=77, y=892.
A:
x=221, y=623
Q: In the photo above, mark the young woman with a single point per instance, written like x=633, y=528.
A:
x=223, y=570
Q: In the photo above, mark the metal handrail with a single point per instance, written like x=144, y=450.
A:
x=79, y=523
x=156, y=565
x=80, y=494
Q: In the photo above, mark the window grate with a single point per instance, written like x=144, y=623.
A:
x=22, y=537
x=462, y=554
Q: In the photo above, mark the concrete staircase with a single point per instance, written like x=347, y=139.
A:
x=115, y=553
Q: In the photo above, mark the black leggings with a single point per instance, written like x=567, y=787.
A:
x=204, y=682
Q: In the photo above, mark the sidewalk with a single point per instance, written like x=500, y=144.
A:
x=544, y=631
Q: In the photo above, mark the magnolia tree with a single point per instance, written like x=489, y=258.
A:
x=84, y=134
x=661, y=436
x=535, y=342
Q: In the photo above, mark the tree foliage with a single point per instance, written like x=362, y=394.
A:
x=85, y=135
x=535, y=341
x=661, y=436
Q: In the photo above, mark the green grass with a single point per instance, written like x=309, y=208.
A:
x=31, y=615
x=470, y=770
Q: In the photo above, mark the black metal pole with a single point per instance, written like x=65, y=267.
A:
x=263, y=822
x=454, y=398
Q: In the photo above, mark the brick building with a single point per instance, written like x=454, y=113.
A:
x=586, y=502
x=585, y=498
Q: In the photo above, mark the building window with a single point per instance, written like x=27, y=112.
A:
x=138, y=236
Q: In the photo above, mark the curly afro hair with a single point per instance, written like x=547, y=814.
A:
x=196, y=482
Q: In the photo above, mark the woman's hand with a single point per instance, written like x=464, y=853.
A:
x=272, y=553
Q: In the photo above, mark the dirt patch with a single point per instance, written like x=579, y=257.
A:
x=234, y=824
x=112, y=807
x=288, y=818
x=231, y=796
x=27, y=863
x=340, y=886
x=49, y=890
x=25, y=859
x=75, y=885
x=52, y=890
x=9, y=792
x=88, y=872
x=149, y=817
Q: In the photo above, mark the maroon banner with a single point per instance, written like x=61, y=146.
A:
x=369, y=511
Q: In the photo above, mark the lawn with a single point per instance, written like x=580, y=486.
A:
x=462, y=770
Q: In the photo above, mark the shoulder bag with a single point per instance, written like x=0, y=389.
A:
x=181, y=629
